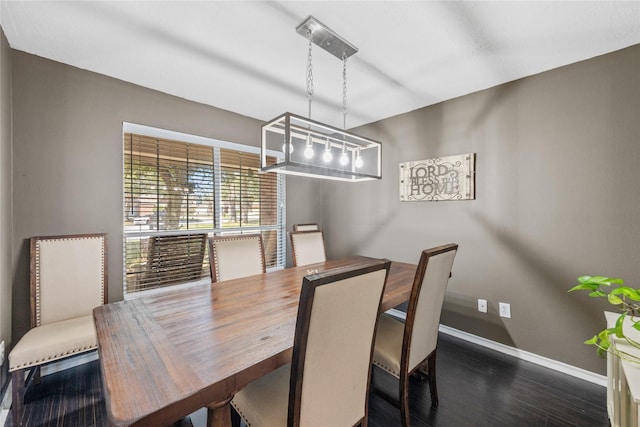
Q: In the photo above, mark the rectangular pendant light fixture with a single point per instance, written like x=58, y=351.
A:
x=316, y=149
x=319, y=150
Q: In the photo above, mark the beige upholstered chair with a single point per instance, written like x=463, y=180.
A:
x=327, y=382
x=68, y=279
x=403, y=348
x=231, y=257
x=305, y=227
x=307, y=247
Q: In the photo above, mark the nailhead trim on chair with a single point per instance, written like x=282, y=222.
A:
x=38, y=269
x=215, y=249
x=53, y=357
x=241, y=415
x=386, y=368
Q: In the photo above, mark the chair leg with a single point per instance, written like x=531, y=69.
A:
x=17, y=396
x=420, y=373
x=404, y=399
x=431, y=373
x=36, y=375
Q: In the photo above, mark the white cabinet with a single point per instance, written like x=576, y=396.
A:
x=623, y=377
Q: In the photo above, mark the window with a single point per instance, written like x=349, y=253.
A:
x=178, y=190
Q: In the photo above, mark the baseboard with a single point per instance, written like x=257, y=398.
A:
x=574, y=371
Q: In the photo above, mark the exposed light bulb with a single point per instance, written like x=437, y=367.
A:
x=359, y=162
x=284, y=147
x=344, y=159
x=308, y=149
x=308, y=152
x=327, y=156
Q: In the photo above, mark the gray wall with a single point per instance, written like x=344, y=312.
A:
x=557, y=197
x=556, y=187
x=68, y=157
x=304, y=204
x=5, y=198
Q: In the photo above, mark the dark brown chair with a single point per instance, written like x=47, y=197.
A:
x=305, y=227
x=327, y=381
x=404, y=348
x=174, y=259
x=236, y=256
x=68, y=279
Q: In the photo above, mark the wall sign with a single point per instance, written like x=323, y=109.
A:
x=440, y=178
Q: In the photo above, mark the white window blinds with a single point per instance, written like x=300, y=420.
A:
x=177, y=193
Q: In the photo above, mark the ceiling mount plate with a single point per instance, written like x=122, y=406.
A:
x=324, y=37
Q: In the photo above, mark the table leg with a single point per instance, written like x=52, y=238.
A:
x=219, y=414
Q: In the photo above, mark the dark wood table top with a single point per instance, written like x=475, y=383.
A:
x=166, y=355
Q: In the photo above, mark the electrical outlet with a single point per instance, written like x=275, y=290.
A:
x=1, y=353
x=505, y=310
x=482, y=305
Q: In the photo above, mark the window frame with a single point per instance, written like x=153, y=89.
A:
x=217, y=145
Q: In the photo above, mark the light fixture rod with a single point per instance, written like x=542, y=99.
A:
x=319, y=138
x=304, y=128
x=326, y=38
x=310, y=71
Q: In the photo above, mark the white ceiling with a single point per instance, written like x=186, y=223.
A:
x=245, y=56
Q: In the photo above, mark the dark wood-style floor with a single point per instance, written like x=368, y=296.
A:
x=476, y=386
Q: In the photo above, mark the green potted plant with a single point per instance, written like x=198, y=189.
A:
x=627, y=302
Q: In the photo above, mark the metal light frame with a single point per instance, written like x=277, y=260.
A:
x=298, y=131
x=335, y=153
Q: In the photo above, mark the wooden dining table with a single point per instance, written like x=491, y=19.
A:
x=166, y=355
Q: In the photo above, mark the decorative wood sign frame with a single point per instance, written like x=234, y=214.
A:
x=440, y=178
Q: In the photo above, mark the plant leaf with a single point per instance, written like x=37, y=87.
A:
x=600, y=280
x=628, y=292
x=618, y=327
x=589, y=286
x=625, y=290
x=603, y=335
x=631, y=293
x=619, y=295
x=593, y=340
x=613, y=299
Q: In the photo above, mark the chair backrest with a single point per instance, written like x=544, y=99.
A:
x=425, y=304
x=174, y=259
x=307, y=247
x=305, y=227
x=236, y=256
x=333, y=345
x=68, y=276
